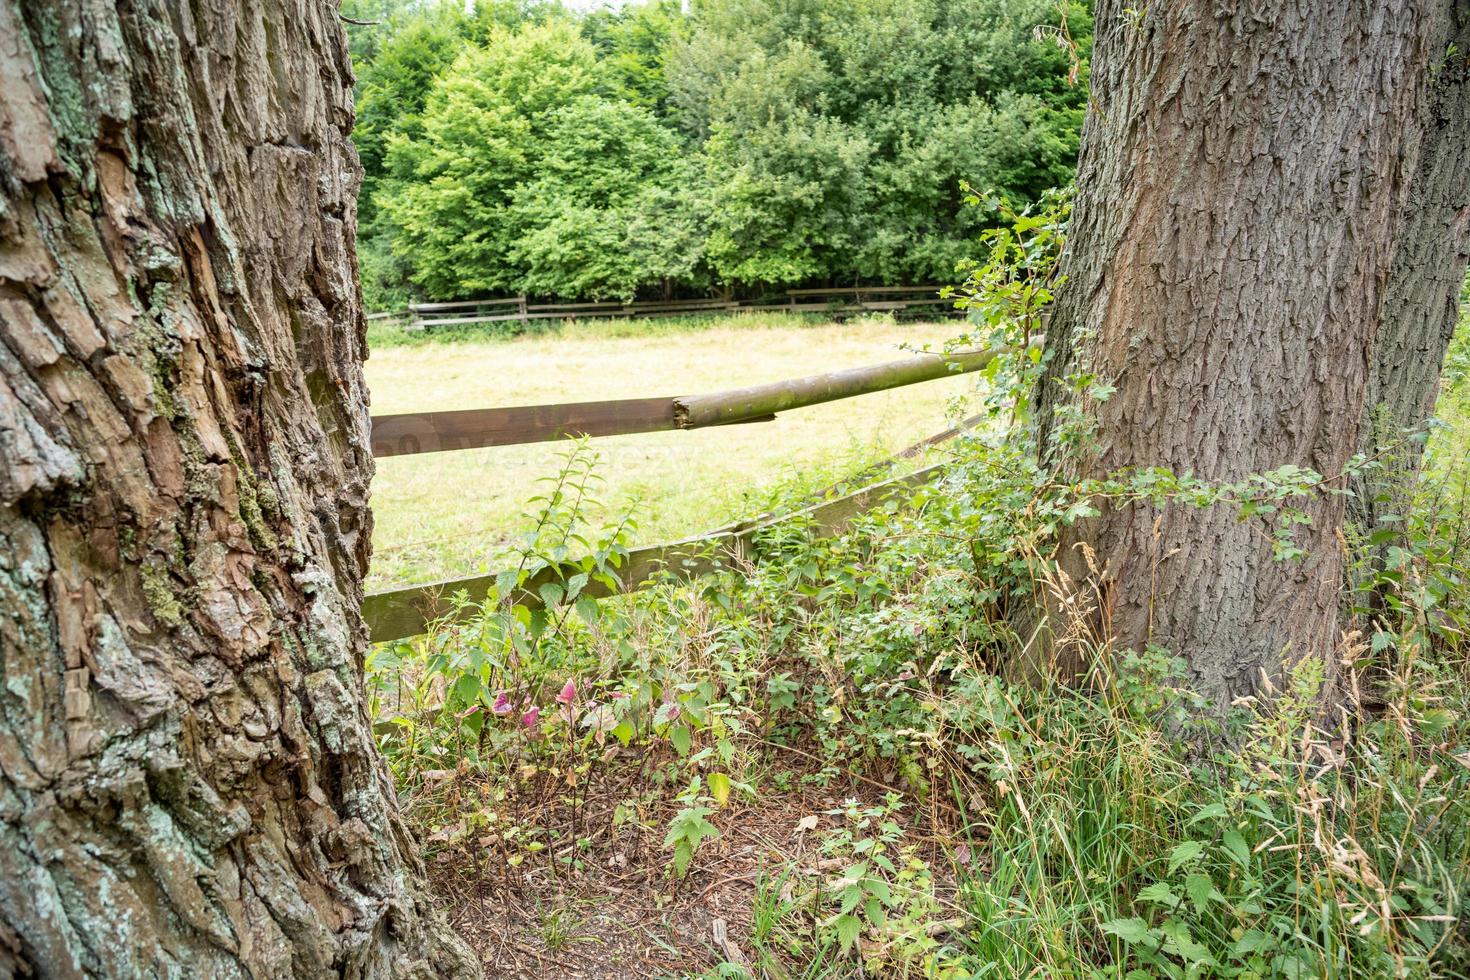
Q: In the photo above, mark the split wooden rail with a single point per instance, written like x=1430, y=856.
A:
x=474, y=428
x=408, y=611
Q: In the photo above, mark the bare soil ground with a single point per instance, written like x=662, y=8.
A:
x=621, y=915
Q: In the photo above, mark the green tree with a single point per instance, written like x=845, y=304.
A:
x=398, y=52
x=483, y=123
x=528, y=174
x=838, y=133
x=788, y=182
x=602, y=162
x=633, y=44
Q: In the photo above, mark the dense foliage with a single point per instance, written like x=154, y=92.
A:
x=743, y=144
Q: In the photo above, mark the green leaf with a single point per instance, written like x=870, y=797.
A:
x=1214, y=810
x=1235, y=844
x=575, y=584
x=466, y=688
x=1296, y=966
x=683, y=854
x=1253, y=941
x=587, y=608
x=1159, y=893
x=505, y=582
x=1436, y=721
x=1132, y=930
x=719, y=787
x=1182, y=941
x=879, y=889
x=848, y=926
x=1201, y=890
x=1185, y=853
x=551, y=594
x=679, y=735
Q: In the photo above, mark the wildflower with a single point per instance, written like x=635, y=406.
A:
x=502, y=704
x=532, y=715
x=568, y=693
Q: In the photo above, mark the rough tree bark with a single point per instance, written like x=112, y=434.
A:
x=1242, y=177
x=188, y=783
x=1421, y=303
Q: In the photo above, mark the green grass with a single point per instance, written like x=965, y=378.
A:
x=383, y=334
x=450, y=514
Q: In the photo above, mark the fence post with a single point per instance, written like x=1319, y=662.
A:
x=525, y=319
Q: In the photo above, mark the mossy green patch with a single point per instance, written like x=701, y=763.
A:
x=160, y=596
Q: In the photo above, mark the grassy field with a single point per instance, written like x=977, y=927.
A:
x=448, y=514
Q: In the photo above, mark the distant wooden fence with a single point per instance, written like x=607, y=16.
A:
x=839, y=300
x=408, y=611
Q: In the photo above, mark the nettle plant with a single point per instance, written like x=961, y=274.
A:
x=883, y=895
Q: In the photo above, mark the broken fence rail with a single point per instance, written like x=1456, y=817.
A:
x=428, y=432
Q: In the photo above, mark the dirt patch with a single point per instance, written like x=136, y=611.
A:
x=620, y=914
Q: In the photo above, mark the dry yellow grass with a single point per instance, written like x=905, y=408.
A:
x=449, y=514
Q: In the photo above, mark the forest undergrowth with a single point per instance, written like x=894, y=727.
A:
x=823, y=764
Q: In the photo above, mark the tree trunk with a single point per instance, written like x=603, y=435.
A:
x=188, y=782
x=1242, y=178
x=1421, y=303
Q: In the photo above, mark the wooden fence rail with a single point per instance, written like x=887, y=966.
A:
x=406, y=612
x=429, y=432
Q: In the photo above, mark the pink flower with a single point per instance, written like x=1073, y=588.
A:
x=502, y=703
x=618, y=695
x=568, y=693
x=532, y=715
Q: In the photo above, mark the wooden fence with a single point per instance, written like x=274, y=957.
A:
x=408, y=611
x=839, y=300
